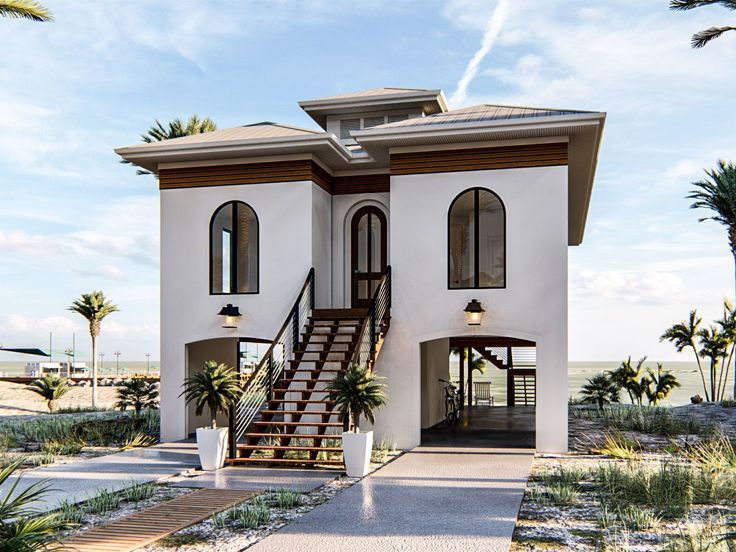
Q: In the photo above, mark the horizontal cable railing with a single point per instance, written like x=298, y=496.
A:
x=375, y=324
x=520, y=356
x=259, y=387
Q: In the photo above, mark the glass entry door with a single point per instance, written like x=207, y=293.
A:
x=368, y=254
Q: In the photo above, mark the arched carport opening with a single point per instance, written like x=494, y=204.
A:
x=494, y=380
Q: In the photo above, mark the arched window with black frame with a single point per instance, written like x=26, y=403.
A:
x=234, y=249
x=476, y=253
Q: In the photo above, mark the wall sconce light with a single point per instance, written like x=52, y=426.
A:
x=474, y=313
x=231, y=316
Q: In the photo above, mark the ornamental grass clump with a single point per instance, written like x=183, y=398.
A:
x=138, y=492
x=103, y=502
x=287, y=499
x=251, y=516
x=617, y=445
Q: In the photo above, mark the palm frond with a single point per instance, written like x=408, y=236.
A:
x=216, y=386
x=25, y=9
x=684, y=5
x=704, y=37
x=355, y=393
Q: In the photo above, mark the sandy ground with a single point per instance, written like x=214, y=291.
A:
x=16, y=400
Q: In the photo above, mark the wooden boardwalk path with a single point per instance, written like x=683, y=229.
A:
x=149, y=525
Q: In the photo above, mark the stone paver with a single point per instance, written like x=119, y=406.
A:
x=259, y=479
x=431, y=498
x=78, y=481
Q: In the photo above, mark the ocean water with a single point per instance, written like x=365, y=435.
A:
x=579, y=372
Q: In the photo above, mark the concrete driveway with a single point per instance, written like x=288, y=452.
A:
x=431, y=498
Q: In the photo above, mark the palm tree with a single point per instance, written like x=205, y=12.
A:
x=25, y=9
x=683, y=335
x=662, y=382
x=22, y=527
x=138, y=394
x=50, y=388
x=94, y=307
x=728, y=328
x=600, y=390
x=175, y=129
x=718, y=194
x=216, y=386
x=704, y=37
x=713, y=346
x=631, y=379
x=357, y=392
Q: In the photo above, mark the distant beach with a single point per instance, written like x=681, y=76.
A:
x=17, y=368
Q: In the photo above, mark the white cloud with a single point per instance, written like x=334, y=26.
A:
x=635, y=287
x=110, y=272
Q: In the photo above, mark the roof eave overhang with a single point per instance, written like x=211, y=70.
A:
x=583, y=131
x=325, y=145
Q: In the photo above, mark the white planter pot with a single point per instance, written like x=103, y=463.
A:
x=212, y=446
x=356, y=449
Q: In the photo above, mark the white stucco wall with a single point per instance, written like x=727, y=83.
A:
x=287, y=222
x=533, y=305
x=435, y=364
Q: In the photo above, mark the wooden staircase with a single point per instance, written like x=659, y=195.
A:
x=297, y=426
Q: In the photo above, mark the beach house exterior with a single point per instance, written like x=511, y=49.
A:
x=393, y=231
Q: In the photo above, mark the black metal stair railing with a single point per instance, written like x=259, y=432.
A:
x=375, y=325
x=259, y=387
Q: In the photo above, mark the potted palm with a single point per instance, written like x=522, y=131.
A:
x=216, y=386
x=355, y=393
x=51, y=389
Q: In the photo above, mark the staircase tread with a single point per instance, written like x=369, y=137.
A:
x=289, y=447
x=297, y=424
x=312, y=412
x=295, y=435
x=251, y=459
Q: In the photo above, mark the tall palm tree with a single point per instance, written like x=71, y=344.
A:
x=25, y=9
x=175, y=129
x=704, y=37
x=661, y=383
x=683, y=335
x=718, y=194
x=94, y=307
x=728, y=329
x=713, y=346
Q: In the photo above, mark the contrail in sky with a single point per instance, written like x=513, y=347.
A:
x=494, y=26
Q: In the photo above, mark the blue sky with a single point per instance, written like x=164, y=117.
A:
x=73, y=219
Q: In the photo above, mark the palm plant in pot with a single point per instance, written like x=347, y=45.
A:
x=217, y=387
x=355, y=393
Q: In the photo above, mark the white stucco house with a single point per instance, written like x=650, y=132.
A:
x=364, y=239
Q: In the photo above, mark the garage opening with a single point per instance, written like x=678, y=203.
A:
x=479, y=391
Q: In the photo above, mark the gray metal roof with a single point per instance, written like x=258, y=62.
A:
x=373, y=92
x=254, y=131
x=477, y=113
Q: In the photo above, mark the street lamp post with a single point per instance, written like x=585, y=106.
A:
x=102, y=362
x=117, y=362
x=148, y=364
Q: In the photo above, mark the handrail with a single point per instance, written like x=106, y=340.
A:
x=374, y=325
x=259, y=387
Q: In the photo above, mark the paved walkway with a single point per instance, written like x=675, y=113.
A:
x=251, y=478
x=431, y=498
x=78, y=481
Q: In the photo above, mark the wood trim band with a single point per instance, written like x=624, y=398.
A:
x=479, y=159
x=263, y=173
x=361, y=184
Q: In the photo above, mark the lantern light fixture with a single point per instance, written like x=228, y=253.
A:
x=474, y=313
x=231, y=316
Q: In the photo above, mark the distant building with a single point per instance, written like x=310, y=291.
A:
x=61, y=369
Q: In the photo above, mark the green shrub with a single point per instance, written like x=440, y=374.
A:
x=715, y=454
x=652, y=420
x=67, y=447
x=637, y=519
x=138, y=492
x=252, y=516
x=103, y=502
x=41, y=459
x=71, y=512
x=564, y=475
x=617, y=445
x=560, y=493
x=286, y=499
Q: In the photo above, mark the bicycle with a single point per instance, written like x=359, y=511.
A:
x=453, y=408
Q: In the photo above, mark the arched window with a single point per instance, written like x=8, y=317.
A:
x=476, y=255
x=234, y=249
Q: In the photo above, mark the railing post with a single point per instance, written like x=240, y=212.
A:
x=269, y=393
x=373, y=333
x=311, y=289
x=231, y=433
x=295, y=328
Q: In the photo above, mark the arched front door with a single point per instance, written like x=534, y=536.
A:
x=368, y=254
